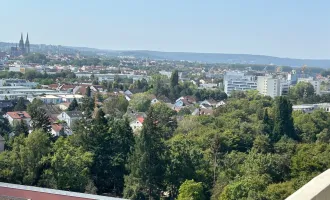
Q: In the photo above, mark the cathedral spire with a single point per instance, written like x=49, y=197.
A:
x=21, y=42
x=27, y=44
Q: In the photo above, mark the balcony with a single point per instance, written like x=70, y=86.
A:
x=316, y=189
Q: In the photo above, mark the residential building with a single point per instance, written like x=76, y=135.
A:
x=269, y=86
x=50, y=99
x=137, y=124
x=17, y=116
x=9, y=89
x=64, y=106
x=111, y=77
x=239, y=81
x=57, y=128
x=17, y=82
x=308, y=108
x=210, y=102
x=185, y=101
x=316, y=84
x=69, y=97
x=272, y=86
x=70, y=117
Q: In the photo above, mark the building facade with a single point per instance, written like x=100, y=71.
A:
x=238, y=81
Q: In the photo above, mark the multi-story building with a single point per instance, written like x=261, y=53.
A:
x=239, y=81
x=316, y=84
x=272, y=86
x=17, y=82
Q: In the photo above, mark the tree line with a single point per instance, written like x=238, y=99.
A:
x=254, y=147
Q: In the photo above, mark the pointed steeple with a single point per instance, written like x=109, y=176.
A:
x=27, y=44
x=21, y=42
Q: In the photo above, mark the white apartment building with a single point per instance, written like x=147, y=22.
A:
x=234, y=80
x=316, y=84
x=273, y=87
x=269, y=86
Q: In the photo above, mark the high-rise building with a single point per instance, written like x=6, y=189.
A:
x=238, y=81
x=268, y=86
x=272, y=86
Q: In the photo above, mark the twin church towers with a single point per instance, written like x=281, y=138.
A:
x=22, y=48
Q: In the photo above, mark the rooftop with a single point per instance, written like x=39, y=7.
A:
x=22, y=192
x=74, y=113
x=18, y=115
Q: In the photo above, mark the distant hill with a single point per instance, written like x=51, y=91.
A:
x=228, y=58
x=197, y=57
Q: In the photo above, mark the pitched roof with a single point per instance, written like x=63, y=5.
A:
x=6, y=104
x=74, y=113
x=140, y=119
x=18, y=115
x=56, y=127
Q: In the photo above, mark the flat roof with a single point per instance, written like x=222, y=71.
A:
x=49, y=97
x=16, y=94
x=34, y=90
x=71, y=96
x=303, y=106
x=13, y=87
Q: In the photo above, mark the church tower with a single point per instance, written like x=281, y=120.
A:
x=21, y=43
x=27, y=44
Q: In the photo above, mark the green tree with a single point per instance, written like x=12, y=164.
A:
x=250, y=187
x=20, y=106
x=323, y=136
x=267, y=123
x=184, y=161
x=303, y=92
x=40, y=120
x=278, y=191
x=35, y=104
x=73, y=105
x=112, y=150
x=69, y=167
x=115, y=106
x=166, y=120
x=191, y=190
x=146, y=164
x=140, y=102
x=23, y=164
x=5, y=127
x=184, y=111
x=21, y=127
x=283, y=122
x=87, y=106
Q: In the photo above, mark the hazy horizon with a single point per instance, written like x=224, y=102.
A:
x=295, y=29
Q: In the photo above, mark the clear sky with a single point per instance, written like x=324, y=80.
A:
x=285, y=28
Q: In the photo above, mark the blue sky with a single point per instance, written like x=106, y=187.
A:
x=294, y=28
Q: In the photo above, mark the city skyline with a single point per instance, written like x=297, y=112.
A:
x=282, y=29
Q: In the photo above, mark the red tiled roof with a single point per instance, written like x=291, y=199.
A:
x=18, y=115
x=140, y=119
x=56, y=127
x=66, y=87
